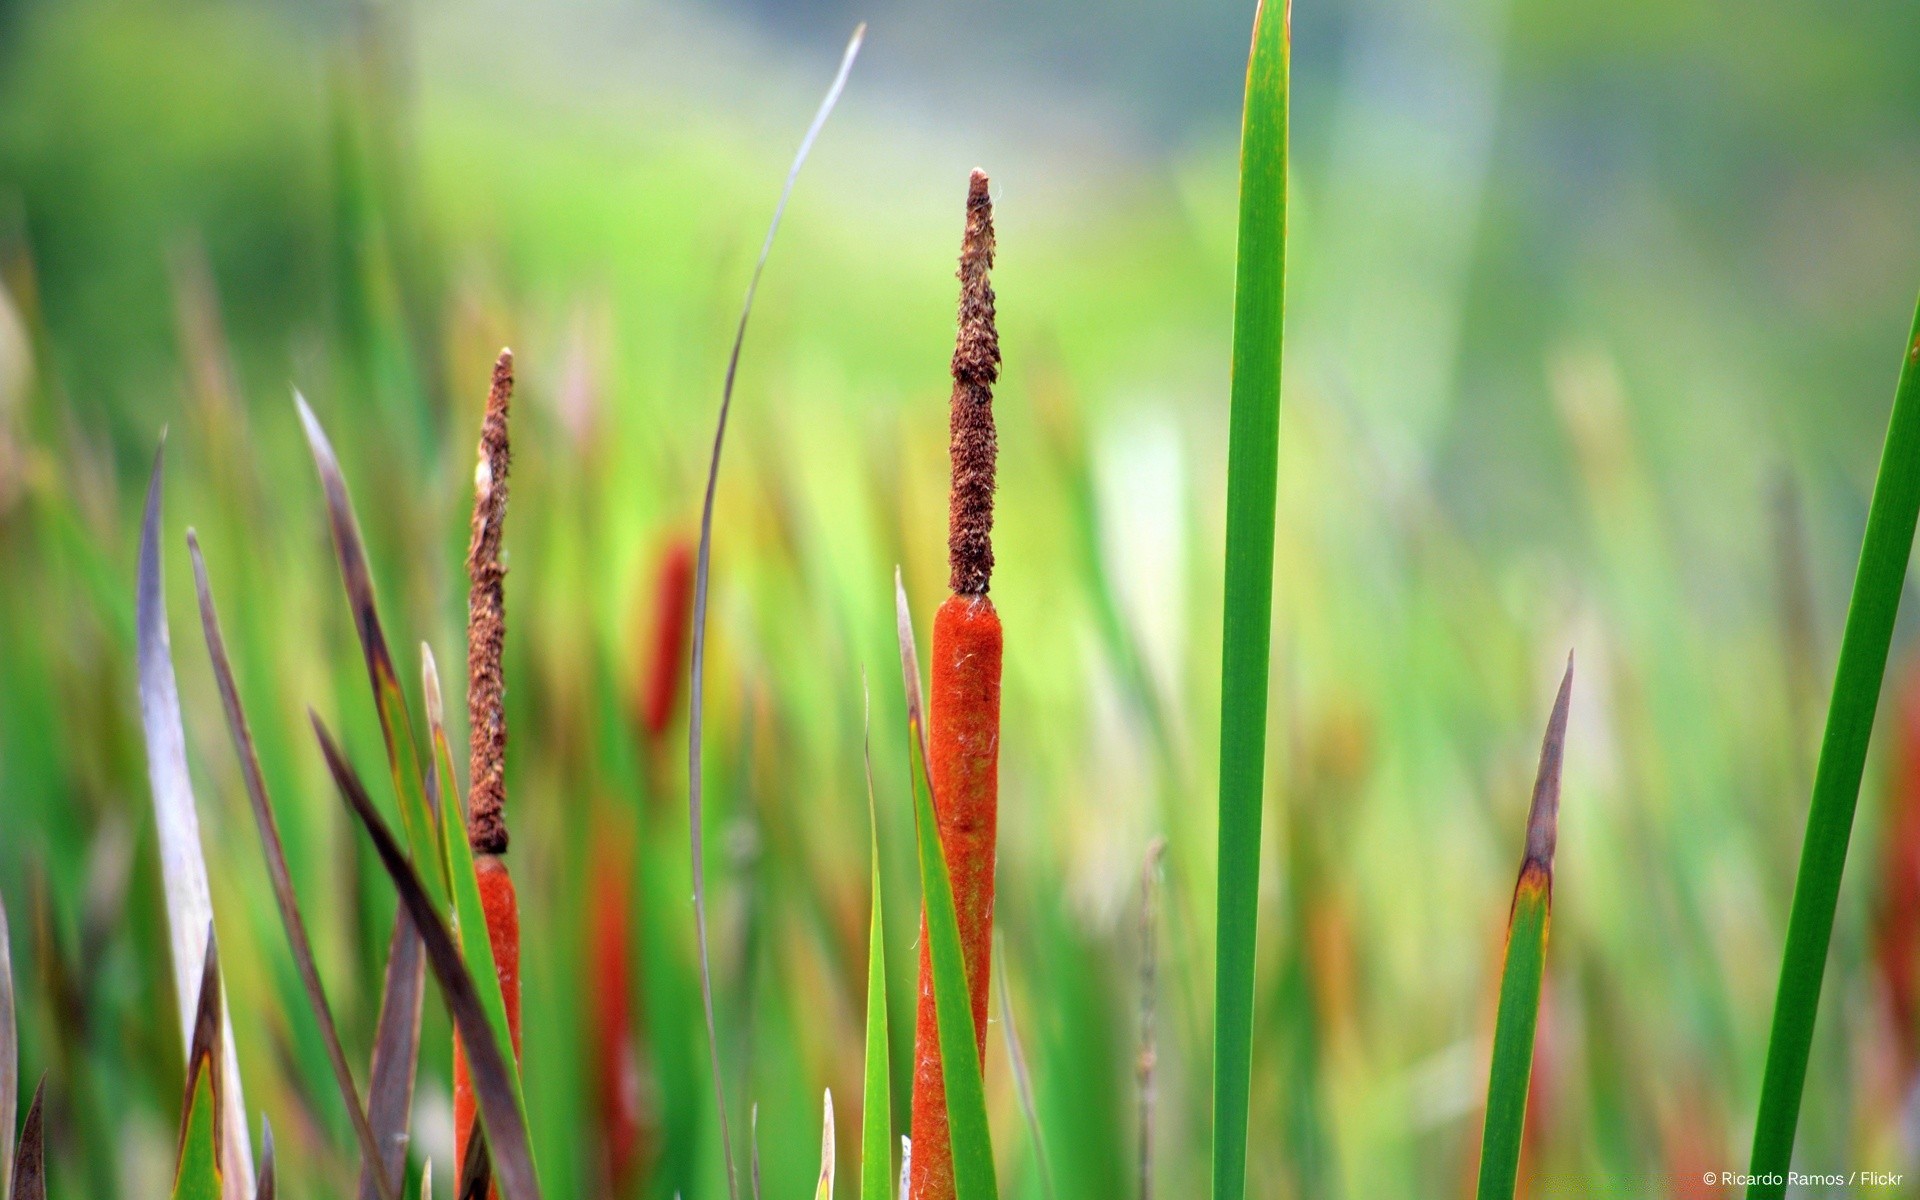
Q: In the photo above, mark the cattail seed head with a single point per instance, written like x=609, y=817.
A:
x=976, y=368
x=486, y=623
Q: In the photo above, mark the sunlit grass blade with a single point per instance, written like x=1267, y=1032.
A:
x=482, y=1027
x=198, y=1170
x=1884, y=552
x=183, y=869
x=277, y=872
x=1253, y=449
x=823, y=1190
x=876, y=1098
x=1526, y=956
x=1022, y=1077
x=30, y=1155
x=267, y=1185
x=10, y=1048
x=697, y=675
x=1148, y=1050
x=396, y=727
x=971, y=1141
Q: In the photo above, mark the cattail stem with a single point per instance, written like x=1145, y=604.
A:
x=487, y=719
x=964, y=709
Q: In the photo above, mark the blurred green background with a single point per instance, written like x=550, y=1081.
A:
x=1595, y=312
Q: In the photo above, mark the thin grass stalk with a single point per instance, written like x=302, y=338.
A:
x=1512, y=1066
x=876, y=1097
x=1884, y=553
x=701, y=578
x=1252, y=479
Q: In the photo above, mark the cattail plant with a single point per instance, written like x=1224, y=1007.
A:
x=964, y=714
x=487, y=720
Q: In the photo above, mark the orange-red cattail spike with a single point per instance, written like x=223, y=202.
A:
x=964, y=709
x=487, y=719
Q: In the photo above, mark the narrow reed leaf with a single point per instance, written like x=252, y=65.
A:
x=183, y=869
x=1884, y=552
x=823, y=1190
x=265, y=1187
x=753, y=1151
x=198, y=1168
x=1252, y=469
x=391, y=703
x=468, y=910
x=30, y=1155
x=1022, y=1077
x=10, y=1048
x=697, y=675
x=876, y=1098
x=1148, y=1052
x=495, y=1081
x=396, y=1052
x=1532, y=910
x=277, y=872
x=972, y=1143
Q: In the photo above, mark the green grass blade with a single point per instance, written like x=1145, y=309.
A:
x=468, y=912
x=1527, y=922
x=973, y=1177
x=1836, y=782
x=1252, y=469
x=823, y=1187
x=876, y=1099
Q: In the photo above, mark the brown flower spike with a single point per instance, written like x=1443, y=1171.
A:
x=976, y=368
x=487, y=623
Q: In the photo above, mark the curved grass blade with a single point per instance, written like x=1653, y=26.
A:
x=495, y=1082
x=1884, y=552
x=395, y=725
x=1022, y=1078
x=1252, y=469
x=277, y=872
x=30, y=1155
x=876, y=1099
x=9, y=1057
x=1526, y=958
x=823, y=1190
x=183, y=870
x=198, y=1169
x=972, y=1142
x=697, y=676
x=265, y=1188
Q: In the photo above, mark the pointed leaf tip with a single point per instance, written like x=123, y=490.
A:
x=1543, y=815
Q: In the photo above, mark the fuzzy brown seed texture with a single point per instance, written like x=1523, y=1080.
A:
x=976, y=368
x=487, y=624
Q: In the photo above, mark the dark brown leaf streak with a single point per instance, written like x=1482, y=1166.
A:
x=30, y=1156
x=205, y=1055
x=492, y=1084
x=277, y=872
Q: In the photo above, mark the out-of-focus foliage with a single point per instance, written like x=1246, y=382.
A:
x=1594, y=312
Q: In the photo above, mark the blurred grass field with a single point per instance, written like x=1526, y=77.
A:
x=1593, y=325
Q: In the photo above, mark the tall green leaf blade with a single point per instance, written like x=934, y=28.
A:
x=1884, y=552
x=197, y=1176
x=469, y=914
x=1526, y=957
x=972, y=1142
x=876, y=1100
x=1252, y=476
